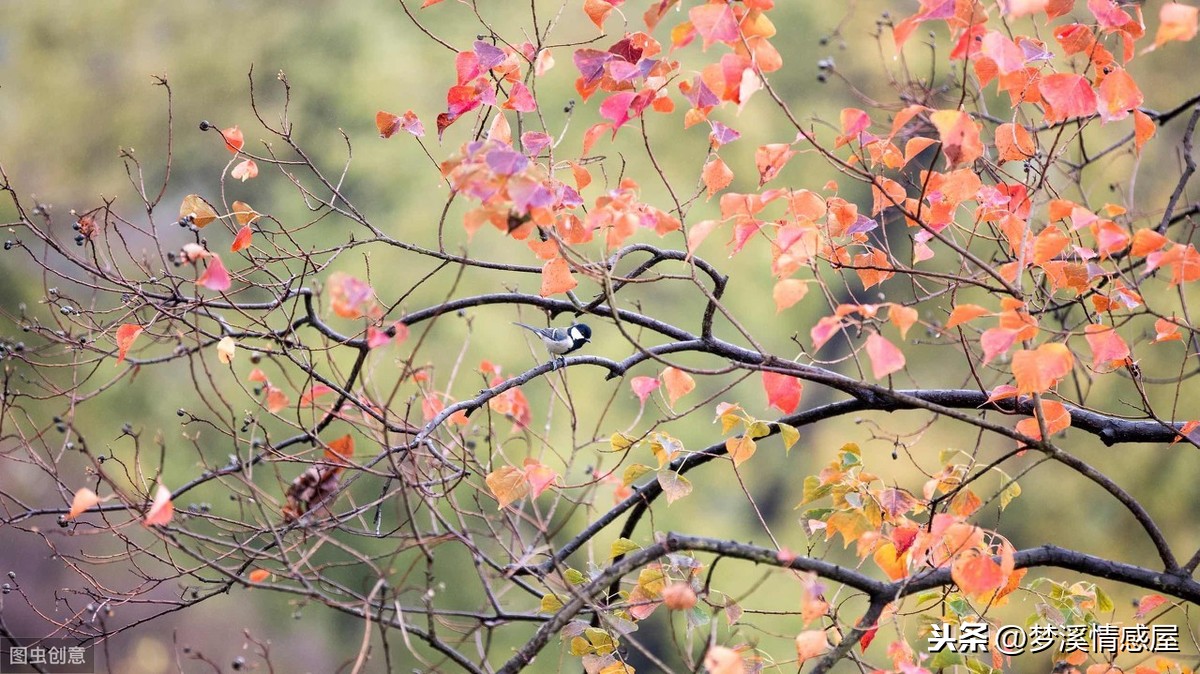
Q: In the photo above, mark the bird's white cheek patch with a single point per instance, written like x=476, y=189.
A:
x=576, y=335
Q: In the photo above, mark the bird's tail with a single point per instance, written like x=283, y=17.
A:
x=528, y=327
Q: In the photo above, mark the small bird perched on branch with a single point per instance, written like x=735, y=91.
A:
x=561, y=341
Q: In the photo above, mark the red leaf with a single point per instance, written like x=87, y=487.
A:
x=125, y=336
x=316, y=391
x=959, y=134
x=1068, y=95
x=242, y=240
x=233, y=139
x=215, y=276
x=783, y=391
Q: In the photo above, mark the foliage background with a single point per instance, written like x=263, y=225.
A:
x=75, y=86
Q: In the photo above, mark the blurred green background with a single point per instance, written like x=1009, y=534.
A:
x=76, y=86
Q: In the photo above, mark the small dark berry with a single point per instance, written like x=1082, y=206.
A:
x=204, y=125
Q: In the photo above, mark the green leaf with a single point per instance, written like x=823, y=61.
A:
x=814, y=490
x=602, y=641
x=758, y=429
x=1104, y=603
x=580, y=646
x=1012, y=491
x=622, y=546
x=621, y=442
x=850, y=455
x=944, y=659
x=790, y=436
x=574, y=577
x=551, y=603
x=633, y=472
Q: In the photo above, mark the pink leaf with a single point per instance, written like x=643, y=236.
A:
x=643, y=387
x=215, y=276
x=885, y=357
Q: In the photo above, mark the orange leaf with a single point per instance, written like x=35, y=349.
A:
x=1177, y=22
x=276, y=399
x=893, y=565
x=976, y=574
x=1048, y=244
x=716, y=176
x=740, y=449
x=960, y=136
x=770, y=159
x=1118, y=95
x=340, y=450
x=723, y=660
x=233, y=139
x=507, y=484
x=1055, y=415
x=197, y=210
x=885, y=357
x=556, y=277
x=1108, y=349
x=964, y=313
x=259, y=575
x=1146, y=241
x=678, y=382
x=1038, y=370
x=783, y=391
x=242, y=240
x=1166, y=330
x=1013, y=141
x=125, y=336
x=1144, y=128
x=902, y=317
x=788, y=292
x=810, y=644
x=84, y=499
x=161, y=509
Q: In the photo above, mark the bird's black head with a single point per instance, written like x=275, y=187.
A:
x=584, y=331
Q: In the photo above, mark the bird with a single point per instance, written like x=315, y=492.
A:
x=561, y=341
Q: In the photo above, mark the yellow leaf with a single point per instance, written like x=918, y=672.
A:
x=507, y=484
x=197, y=210
x=226, y=350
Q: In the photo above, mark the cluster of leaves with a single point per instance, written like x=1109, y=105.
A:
x=1028, y=291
